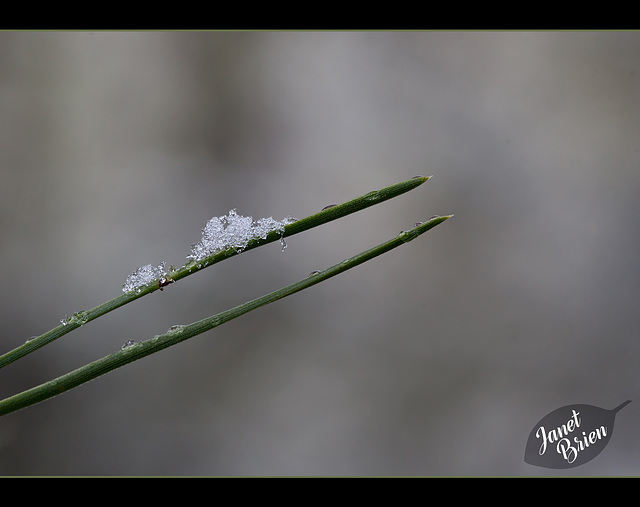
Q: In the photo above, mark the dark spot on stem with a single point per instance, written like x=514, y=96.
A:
x=164, y=281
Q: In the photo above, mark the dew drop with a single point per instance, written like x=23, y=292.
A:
x=65, y=320
x=329, y=206
x=81, y=317
x=30, y=339
x=432, y=217
x=407, y=236
x=127, y=344
x=314, y=273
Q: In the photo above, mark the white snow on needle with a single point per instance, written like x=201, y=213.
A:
x=219, y=234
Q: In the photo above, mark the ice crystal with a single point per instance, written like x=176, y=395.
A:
x=142, y=276
x=233, y=231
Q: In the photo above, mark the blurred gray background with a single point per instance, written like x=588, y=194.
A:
x=435, y=359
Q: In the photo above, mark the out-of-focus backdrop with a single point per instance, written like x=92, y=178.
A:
x=435, y=359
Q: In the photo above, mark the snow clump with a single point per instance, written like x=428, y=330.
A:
x=233, y=231
x=142, y=276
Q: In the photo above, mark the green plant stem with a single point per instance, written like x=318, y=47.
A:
x=327, y=215
x=181, y=333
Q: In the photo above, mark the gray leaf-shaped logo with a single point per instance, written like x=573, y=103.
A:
x=570, y=436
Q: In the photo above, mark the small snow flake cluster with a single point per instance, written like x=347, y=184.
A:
x=142, y=276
